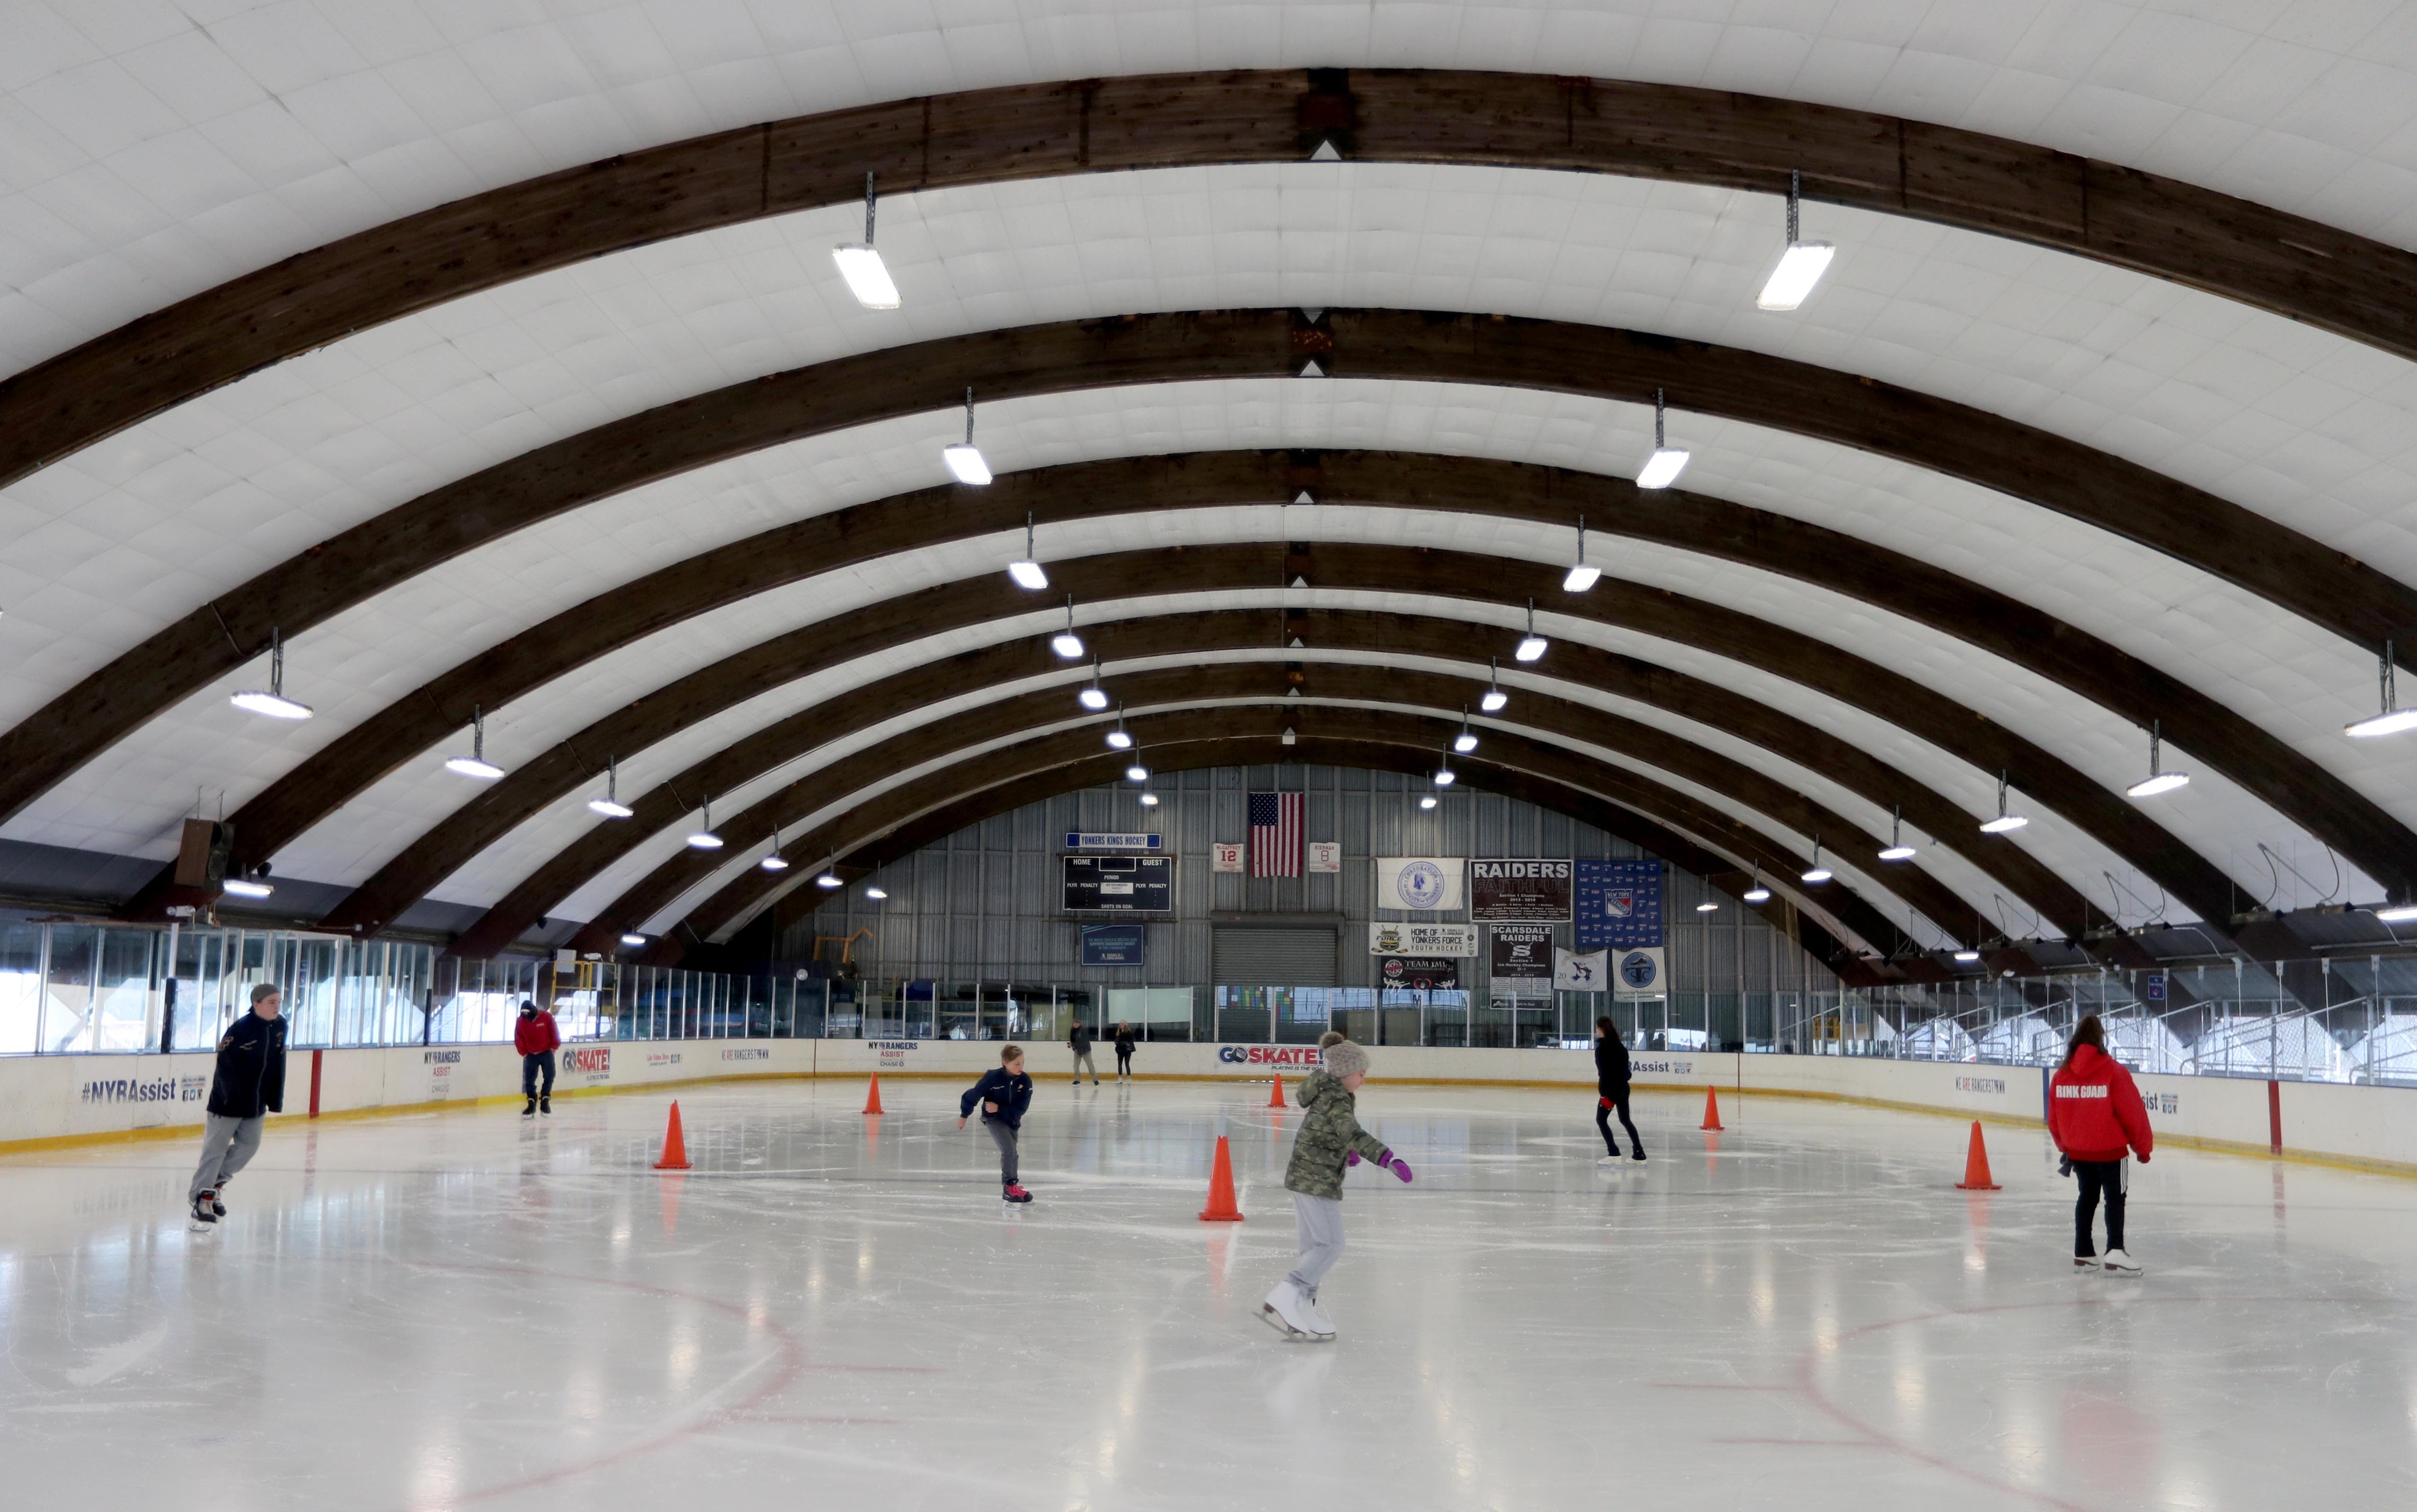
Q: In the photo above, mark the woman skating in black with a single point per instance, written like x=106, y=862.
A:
x=1611, y=1090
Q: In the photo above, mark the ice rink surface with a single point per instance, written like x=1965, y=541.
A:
x=474, y=1309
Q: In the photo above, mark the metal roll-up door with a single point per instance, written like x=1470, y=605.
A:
x=1247, y=957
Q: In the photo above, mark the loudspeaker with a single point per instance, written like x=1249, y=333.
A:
x=202, y=855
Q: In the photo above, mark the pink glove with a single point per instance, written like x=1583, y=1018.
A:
x=1351, y=1159
x=1398, y=1166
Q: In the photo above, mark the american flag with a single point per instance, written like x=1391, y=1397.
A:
x=1275, y=834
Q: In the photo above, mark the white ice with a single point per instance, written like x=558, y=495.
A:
x=474, y=1309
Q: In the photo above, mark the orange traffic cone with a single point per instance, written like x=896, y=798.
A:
x=872, y=1097
x=1222, y=1208
x=675, y=1145
x=1711, y=1108
x=1976, y=1165
x=1275, y=1093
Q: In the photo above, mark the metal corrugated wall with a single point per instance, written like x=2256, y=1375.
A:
x=981, y=905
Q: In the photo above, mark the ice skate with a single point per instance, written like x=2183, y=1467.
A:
x=1609, y=1162
x=545, y=1105
x=217, y=1195
x=2120, y=1262
x=1637, y=1154
x=1317, y=1318
x=1288, y=1313
x=205, y=1220
x=529, y=1111
x=1013, y=1192
x=2085, y=1262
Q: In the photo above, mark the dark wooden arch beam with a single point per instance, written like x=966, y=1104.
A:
x=537, y=895
x=937, y=824
x=1541, y=721
x=2195, y=527
x=2348, y=284
x=1842, y=565
x=1165, y=734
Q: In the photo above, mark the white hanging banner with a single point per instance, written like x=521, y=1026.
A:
x=1415, y=938
x=1225, y=856
x=1639, y=973
x=1326, y=855
x=1424, y=884
x=1581, y=971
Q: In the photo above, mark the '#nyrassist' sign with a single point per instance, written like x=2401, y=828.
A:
x=1519, y=892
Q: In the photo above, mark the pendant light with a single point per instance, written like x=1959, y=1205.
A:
x=2156, y=781
x=1093, y=696
x=610, y=805
x=1492, y=701
x=966, y=461
x=1758, y=893
x=1148, y=799
x=1817, y=872
x=1066, y=643
x=1707, y=906
x=1119, y=738
x=2004, y=823
x=272, y=702
x=1426, y=800
x=705, y=839
x=1466, y=740
x=1534, y=645
x=876, y=894
x=2392, y=721
x=1897, y=849
x=1581, y=576
x=1444, y=776
x=773, y=861
x=1663, y=467
x=1967, y=956
x=1026, y=570
x=867, y=276
x=828, y=879
x=476, y=764
x=633, y=939
x=1800, y=266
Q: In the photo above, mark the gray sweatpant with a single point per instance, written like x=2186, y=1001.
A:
x=1003, y=1135
x=1083, y=1063
x=1320, y=1221
x=228, y=1145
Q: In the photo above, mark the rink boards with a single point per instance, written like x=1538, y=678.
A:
x=74, y=1099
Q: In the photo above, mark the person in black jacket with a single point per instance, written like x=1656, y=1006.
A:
x=1611, y=1090
x=1004, y=1094
x=248, y=1085
x=1079, y=1040
x=1124, y=1052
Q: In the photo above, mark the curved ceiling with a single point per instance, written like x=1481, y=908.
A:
x=1988, y=507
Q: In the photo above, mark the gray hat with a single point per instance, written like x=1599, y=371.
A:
x=1344, y=1058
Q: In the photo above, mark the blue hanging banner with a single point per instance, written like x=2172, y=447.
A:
x=1618, y=905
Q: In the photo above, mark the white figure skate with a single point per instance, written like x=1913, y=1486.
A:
x=1291, y=1314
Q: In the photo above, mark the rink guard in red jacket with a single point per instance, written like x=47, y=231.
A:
x=2093, y=1109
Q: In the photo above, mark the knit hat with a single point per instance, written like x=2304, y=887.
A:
x=1343, y=1058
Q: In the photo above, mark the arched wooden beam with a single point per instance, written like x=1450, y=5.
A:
x=452, y=845
x=2348, y=284
x=1161, y=738
x=1902, y=584
x=1542, y=722
x=1808, y=929
x=2195, y=527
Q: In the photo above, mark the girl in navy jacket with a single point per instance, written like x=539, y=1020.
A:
x=1004, y=1094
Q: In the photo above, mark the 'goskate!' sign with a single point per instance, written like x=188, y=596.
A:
x=590, y=1064
x=1299, y=1057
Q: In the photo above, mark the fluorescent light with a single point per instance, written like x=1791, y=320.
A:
x=274, y=704
x=1093, y=696
x=2396, y=913
x=773, y=862
x=1817, y=873
x=1493, y=701
x=633, y=939
x=2390, y=722
x=876, y=894
x=1149, y=800
x=1532, y=649
x=244, y=889
x=965, y=461
x=705, y=840
x=1967, y=956
x=1027, y=574
x=867, y=277
x=2004, y=824
x=1136, y=773
x=473, y=767
x=1800, y=267
x=611, y=809
x=2158, y=782
x=1120, y=741
x=1426, y=800
x=1663, y=467
x=1465, y=743
x=1897, y=854
x=827, y=879
x=1708, y=908
x=1580, y=578
x=1757, y=893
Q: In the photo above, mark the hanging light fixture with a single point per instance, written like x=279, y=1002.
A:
x=773, y=861
x=867, y=277
x=2396, y=913
x=1093, y=697
x=1663, y=467
x=476, y=764
x=1581, y=576
x=272, y=702
x=705, y=839
x=966, y=461
x=633, y=939
x=1026, y=570
x=1444, y=776
x=2390, y=722
x=1817, y=872
x=1136, y=771
x=2004, y=823
x=1066, y=643
x=828, y=879
x=2156, y=781
x=1897, y=849
x=1967, y=956
x=1492, y=701
x=1119, y=738
x=1148, y=799
x=245, y=887
x=1800, y=266
x=1758, y=893
x=1708, y=906
x=876, y=894
x=1466, y=740
x=1535, y=646
x=1427, y=800
x=610, y=805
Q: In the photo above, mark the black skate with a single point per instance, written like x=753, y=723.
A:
x=529, y=1111
x=205, y=1217
x=545, y=1105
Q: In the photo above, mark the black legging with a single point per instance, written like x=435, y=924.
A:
x=1604, y=1105
x=2097, y=1176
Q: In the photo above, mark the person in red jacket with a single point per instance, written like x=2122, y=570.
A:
x=2095, y=1117
x=537, y=1039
